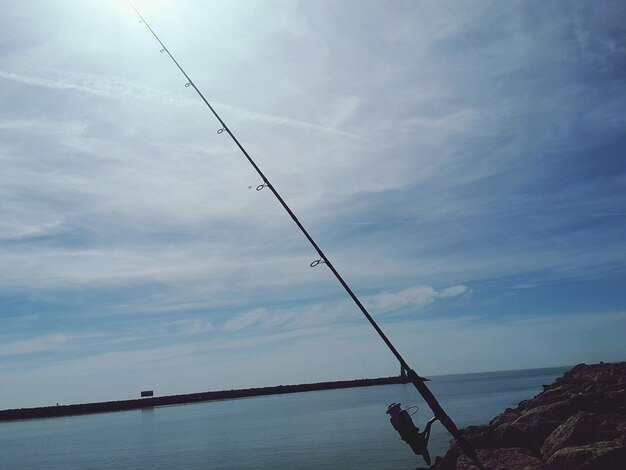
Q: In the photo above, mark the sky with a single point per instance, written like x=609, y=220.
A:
x=460, y=163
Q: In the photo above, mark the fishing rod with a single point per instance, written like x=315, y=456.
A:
x=417, y=381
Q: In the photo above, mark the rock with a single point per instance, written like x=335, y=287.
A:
x=578, y=422
x=481, y=437
x=552, y=395
x=508, y=416
x=559, y=411
x=580, y=429
x=502, y=459
x=610, y=401
x=583, y=401
x=450, y=459
x=533, y=426
x=513, y=435
x=606, y=455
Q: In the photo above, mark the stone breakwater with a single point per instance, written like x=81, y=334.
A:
x=125, y=405
x=576, y=423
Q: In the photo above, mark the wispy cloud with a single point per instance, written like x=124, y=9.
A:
x=412, y=297
x=119, y=88
x=110, y=87
x=35, y=345
x=246, y=319
x=327, y=313
x=321, y=314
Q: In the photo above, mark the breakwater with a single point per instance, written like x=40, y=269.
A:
x=576, y=423
x=124, y=405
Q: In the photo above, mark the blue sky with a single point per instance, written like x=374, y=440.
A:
x=462, y=164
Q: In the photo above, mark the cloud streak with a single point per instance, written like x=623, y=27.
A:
x=119, y=88
x=412, y=297
x=36, y=345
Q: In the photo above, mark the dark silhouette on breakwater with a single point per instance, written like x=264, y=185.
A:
x=124, y=405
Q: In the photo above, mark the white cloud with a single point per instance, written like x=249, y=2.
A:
x=103, y=86
x=453, y=291
x=319, y=314
x=34, y=345
x=120, y=89
x=27, y=219
x=245, y=320
x=412, y=297
x=195, y=327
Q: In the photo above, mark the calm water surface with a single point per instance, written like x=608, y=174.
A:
x=334, y=429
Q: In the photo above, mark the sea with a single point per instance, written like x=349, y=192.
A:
x=331, y=429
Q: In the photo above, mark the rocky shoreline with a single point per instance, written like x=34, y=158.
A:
x=576, y=423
